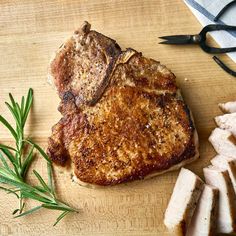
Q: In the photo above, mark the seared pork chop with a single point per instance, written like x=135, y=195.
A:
x=123, y=116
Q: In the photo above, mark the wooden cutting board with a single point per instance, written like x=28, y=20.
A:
x=30, y=31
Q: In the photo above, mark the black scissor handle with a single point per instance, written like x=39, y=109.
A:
x=224, y=10
x=224, y=67
x=216, y=50
x=216, y=27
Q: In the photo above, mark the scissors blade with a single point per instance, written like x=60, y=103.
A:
x=177, y=39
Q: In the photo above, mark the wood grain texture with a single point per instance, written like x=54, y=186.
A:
x=30, y=31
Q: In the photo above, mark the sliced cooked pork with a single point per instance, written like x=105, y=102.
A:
x=227, y=198
x=226, y=163
x=228, y=107
x=204, y=219
x=228, y=122
x=183, y=202
x=223, y=142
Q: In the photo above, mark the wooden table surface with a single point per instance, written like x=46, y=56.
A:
x=30, y=31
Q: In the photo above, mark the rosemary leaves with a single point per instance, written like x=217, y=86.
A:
x=15, y=165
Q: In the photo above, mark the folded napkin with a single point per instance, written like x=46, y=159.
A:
x=206, y=10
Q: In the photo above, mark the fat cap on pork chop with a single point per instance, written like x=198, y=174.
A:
x=123, y=116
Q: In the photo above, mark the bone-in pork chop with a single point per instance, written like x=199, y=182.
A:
x=123, y=115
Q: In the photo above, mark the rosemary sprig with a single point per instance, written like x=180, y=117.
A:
x=15, y=165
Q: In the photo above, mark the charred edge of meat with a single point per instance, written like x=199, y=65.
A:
x=85, y=28
x=161, y=103
x=58, y=153
x=188, y=112
x=69, y=99
x=111, y=49
x=68, y=96
x=190, y=151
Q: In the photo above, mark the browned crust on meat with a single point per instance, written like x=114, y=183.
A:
x=93, y=129
x=123, y=123
x=146, y=74
x=122, y=59
x=91, y=55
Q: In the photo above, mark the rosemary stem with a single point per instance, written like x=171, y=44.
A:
x=14, y=175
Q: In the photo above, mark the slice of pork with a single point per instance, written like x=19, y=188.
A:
x=228, y=107
x=183, y=202
x=228, y=122
x=226, y=163
x=227, y=198
x=204, y=219
x=223, y=142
